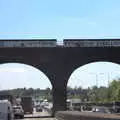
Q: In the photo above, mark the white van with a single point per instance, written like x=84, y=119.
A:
x=6, y=111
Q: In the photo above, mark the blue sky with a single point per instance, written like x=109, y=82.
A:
x=59, y=19
x=22, y=19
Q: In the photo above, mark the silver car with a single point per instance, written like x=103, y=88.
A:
x=101, y=110
x=18, y=112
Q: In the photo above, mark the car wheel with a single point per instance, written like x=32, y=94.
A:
x=21, y=117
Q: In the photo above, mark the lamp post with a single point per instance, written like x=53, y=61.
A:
x=108, y=78
x=96, y=77
x=108, y=74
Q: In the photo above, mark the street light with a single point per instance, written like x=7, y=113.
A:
x=108, y=78
x=96, y=77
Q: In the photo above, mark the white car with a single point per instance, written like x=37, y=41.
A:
x=18, y=112
x=101, y=110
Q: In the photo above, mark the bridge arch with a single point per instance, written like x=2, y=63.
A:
x=103, y=67
x=87, y=76
x=23, y=76
x=24, y=68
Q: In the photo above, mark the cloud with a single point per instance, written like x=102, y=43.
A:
x=83, y=21
x=92, y=23
x=18, y=70
x=74, y=19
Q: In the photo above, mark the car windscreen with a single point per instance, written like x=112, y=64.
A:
x=16, y=107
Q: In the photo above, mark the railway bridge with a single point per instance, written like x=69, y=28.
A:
x=58, y=62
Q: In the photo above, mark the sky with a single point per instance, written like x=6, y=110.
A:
x=58, y=19
x=16, y=75
x=96, y=73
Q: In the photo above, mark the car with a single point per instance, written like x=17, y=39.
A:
x=39, y=109
x=18, y=111
x=101, y=110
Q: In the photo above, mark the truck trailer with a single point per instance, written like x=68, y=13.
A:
x=27, y=105
x=6, y=112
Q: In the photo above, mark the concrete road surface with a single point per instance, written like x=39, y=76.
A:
x=37, y=119
x=37, y=114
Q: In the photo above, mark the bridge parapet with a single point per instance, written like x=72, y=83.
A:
x=91, y=42
x=28, y=43
x=65, y=43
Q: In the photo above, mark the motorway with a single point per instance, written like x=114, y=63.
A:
x=37, y=116
x=37, y=119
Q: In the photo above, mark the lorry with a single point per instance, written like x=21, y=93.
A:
x=6, y=111
x=27, y=104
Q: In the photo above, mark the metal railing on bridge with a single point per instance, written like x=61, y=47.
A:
x=65, y=43
x=91, y=42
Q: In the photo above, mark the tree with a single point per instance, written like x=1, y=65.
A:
x=114, y=90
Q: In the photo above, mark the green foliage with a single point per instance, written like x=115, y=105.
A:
x=35, y=93
x=95, y=94
x=114, y=90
